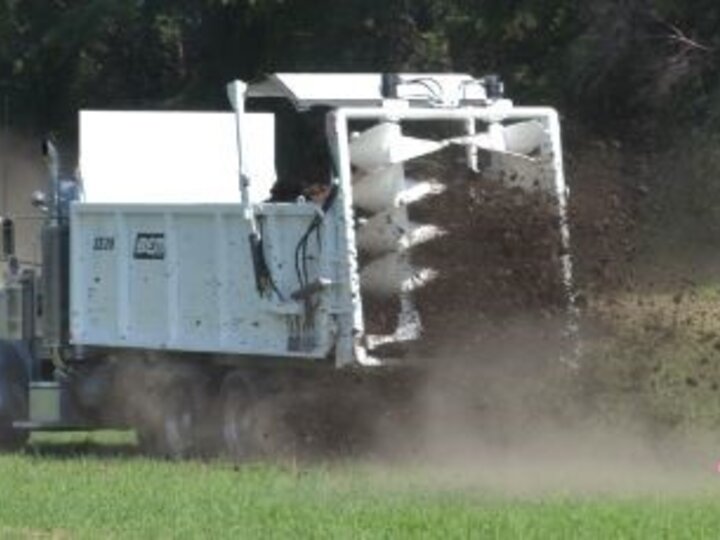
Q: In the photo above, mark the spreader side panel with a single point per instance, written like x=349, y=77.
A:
x=181, y=277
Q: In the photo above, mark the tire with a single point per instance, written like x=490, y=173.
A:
x=13, y=398
x=250, y=426
x=172, y=434
x=168, y=419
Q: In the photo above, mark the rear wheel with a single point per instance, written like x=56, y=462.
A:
x=251, y=422
x=13, y=398
x=168, y=413
x=171, y=432
x=12, y=439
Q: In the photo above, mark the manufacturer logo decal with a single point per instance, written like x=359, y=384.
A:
x=149, y=246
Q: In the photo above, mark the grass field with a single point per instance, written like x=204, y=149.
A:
x=98, y=486
x=78, y=488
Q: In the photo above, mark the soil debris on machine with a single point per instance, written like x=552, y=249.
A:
x=498, y=258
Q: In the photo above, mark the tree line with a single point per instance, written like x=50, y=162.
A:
x=614, y=64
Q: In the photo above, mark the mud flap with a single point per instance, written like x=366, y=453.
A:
x=13, y=393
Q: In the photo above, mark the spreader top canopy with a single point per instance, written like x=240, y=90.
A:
x=173, y=157
x=370, y=89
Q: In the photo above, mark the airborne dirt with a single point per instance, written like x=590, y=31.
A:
x=500, y=406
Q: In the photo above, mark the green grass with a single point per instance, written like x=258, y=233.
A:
x=109, y=492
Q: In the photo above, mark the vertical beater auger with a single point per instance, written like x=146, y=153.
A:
x=522, y=150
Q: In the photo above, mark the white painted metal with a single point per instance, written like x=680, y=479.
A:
x=350, y=348
x=471, y=152
x=381, y=152
x=173, y=157
x=392, y=274
x=383, y=232
x=243, y=136
x=391, y=230
x=380, y=189
x=524, y=137
x=417, y=190
x=385, y=145
x=365, y=89
x=181, y=277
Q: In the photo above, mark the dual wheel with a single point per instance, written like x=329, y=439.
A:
x=250, y=417
x=169, y=427
x=190, y=416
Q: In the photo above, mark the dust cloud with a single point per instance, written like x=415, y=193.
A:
x=522, y=425
x=499, y=408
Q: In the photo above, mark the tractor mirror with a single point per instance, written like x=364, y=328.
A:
x=39, y=200
x=8, y=237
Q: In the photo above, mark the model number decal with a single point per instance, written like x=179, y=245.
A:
x=103, y=243
x=149, y=246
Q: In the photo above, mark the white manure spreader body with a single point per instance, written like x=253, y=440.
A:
x=200, y=258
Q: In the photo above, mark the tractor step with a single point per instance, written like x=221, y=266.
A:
x=51, y=426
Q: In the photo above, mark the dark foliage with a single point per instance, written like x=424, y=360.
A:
x=613, y=63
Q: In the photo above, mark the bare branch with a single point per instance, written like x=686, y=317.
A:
x=680, y=37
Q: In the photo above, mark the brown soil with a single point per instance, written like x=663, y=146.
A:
x=498, y=260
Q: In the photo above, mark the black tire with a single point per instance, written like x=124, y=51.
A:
x=168, y=417
x=250, y=422
x=172, y=434
x=13, y=398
